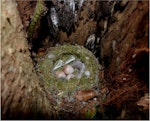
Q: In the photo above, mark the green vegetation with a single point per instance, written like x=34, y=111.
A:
x=39, y=10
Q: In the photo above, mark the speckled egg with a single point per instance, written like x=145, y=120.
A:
x=68, y=69
x=60, y=74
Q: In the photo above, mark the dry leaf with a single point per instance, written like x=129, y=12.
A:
x=85, y=95
x=144, y=101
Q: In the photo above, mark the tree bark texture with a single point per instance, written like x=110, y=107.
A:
x=125, y=54
x=128, y=34
x=22, y=97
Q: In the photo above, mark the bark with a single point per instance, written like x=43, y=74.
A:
x=128, y=34
x=125, y=54
x=22, y=96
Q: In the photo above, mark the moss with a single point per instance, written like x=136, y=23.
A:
x=61, y=87
x=39, y=10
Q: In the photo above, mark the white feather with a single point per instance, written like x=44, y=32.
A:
x=54, y=16
x=72, y=58
x=58, y=64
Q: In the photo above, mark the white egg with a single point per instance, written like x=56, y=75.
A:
x=60, y=74
x=68, y=69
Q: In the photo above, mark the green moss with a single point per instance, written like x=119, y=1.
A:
x=39, y=9
x=62, y=87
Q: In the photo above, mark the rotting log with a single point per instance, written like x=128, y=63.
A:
x=21, y=94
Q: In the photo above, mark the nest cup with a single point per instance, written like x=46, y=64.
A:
x=55, y=60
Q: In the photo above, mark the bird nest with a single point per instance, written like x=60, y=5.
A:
x=67, y=69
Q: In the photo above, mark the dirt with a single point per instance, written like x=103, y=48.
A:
x=124, y=54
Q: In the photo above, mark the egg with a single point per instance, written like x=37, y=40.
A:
x=69, y=76
x=60, y=74
x=68, y=69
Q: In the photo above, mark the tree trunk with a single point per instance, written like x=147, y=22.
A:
x=22, y=96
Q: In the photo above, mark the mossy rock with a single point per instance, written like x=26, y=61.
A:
x=61, y=88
